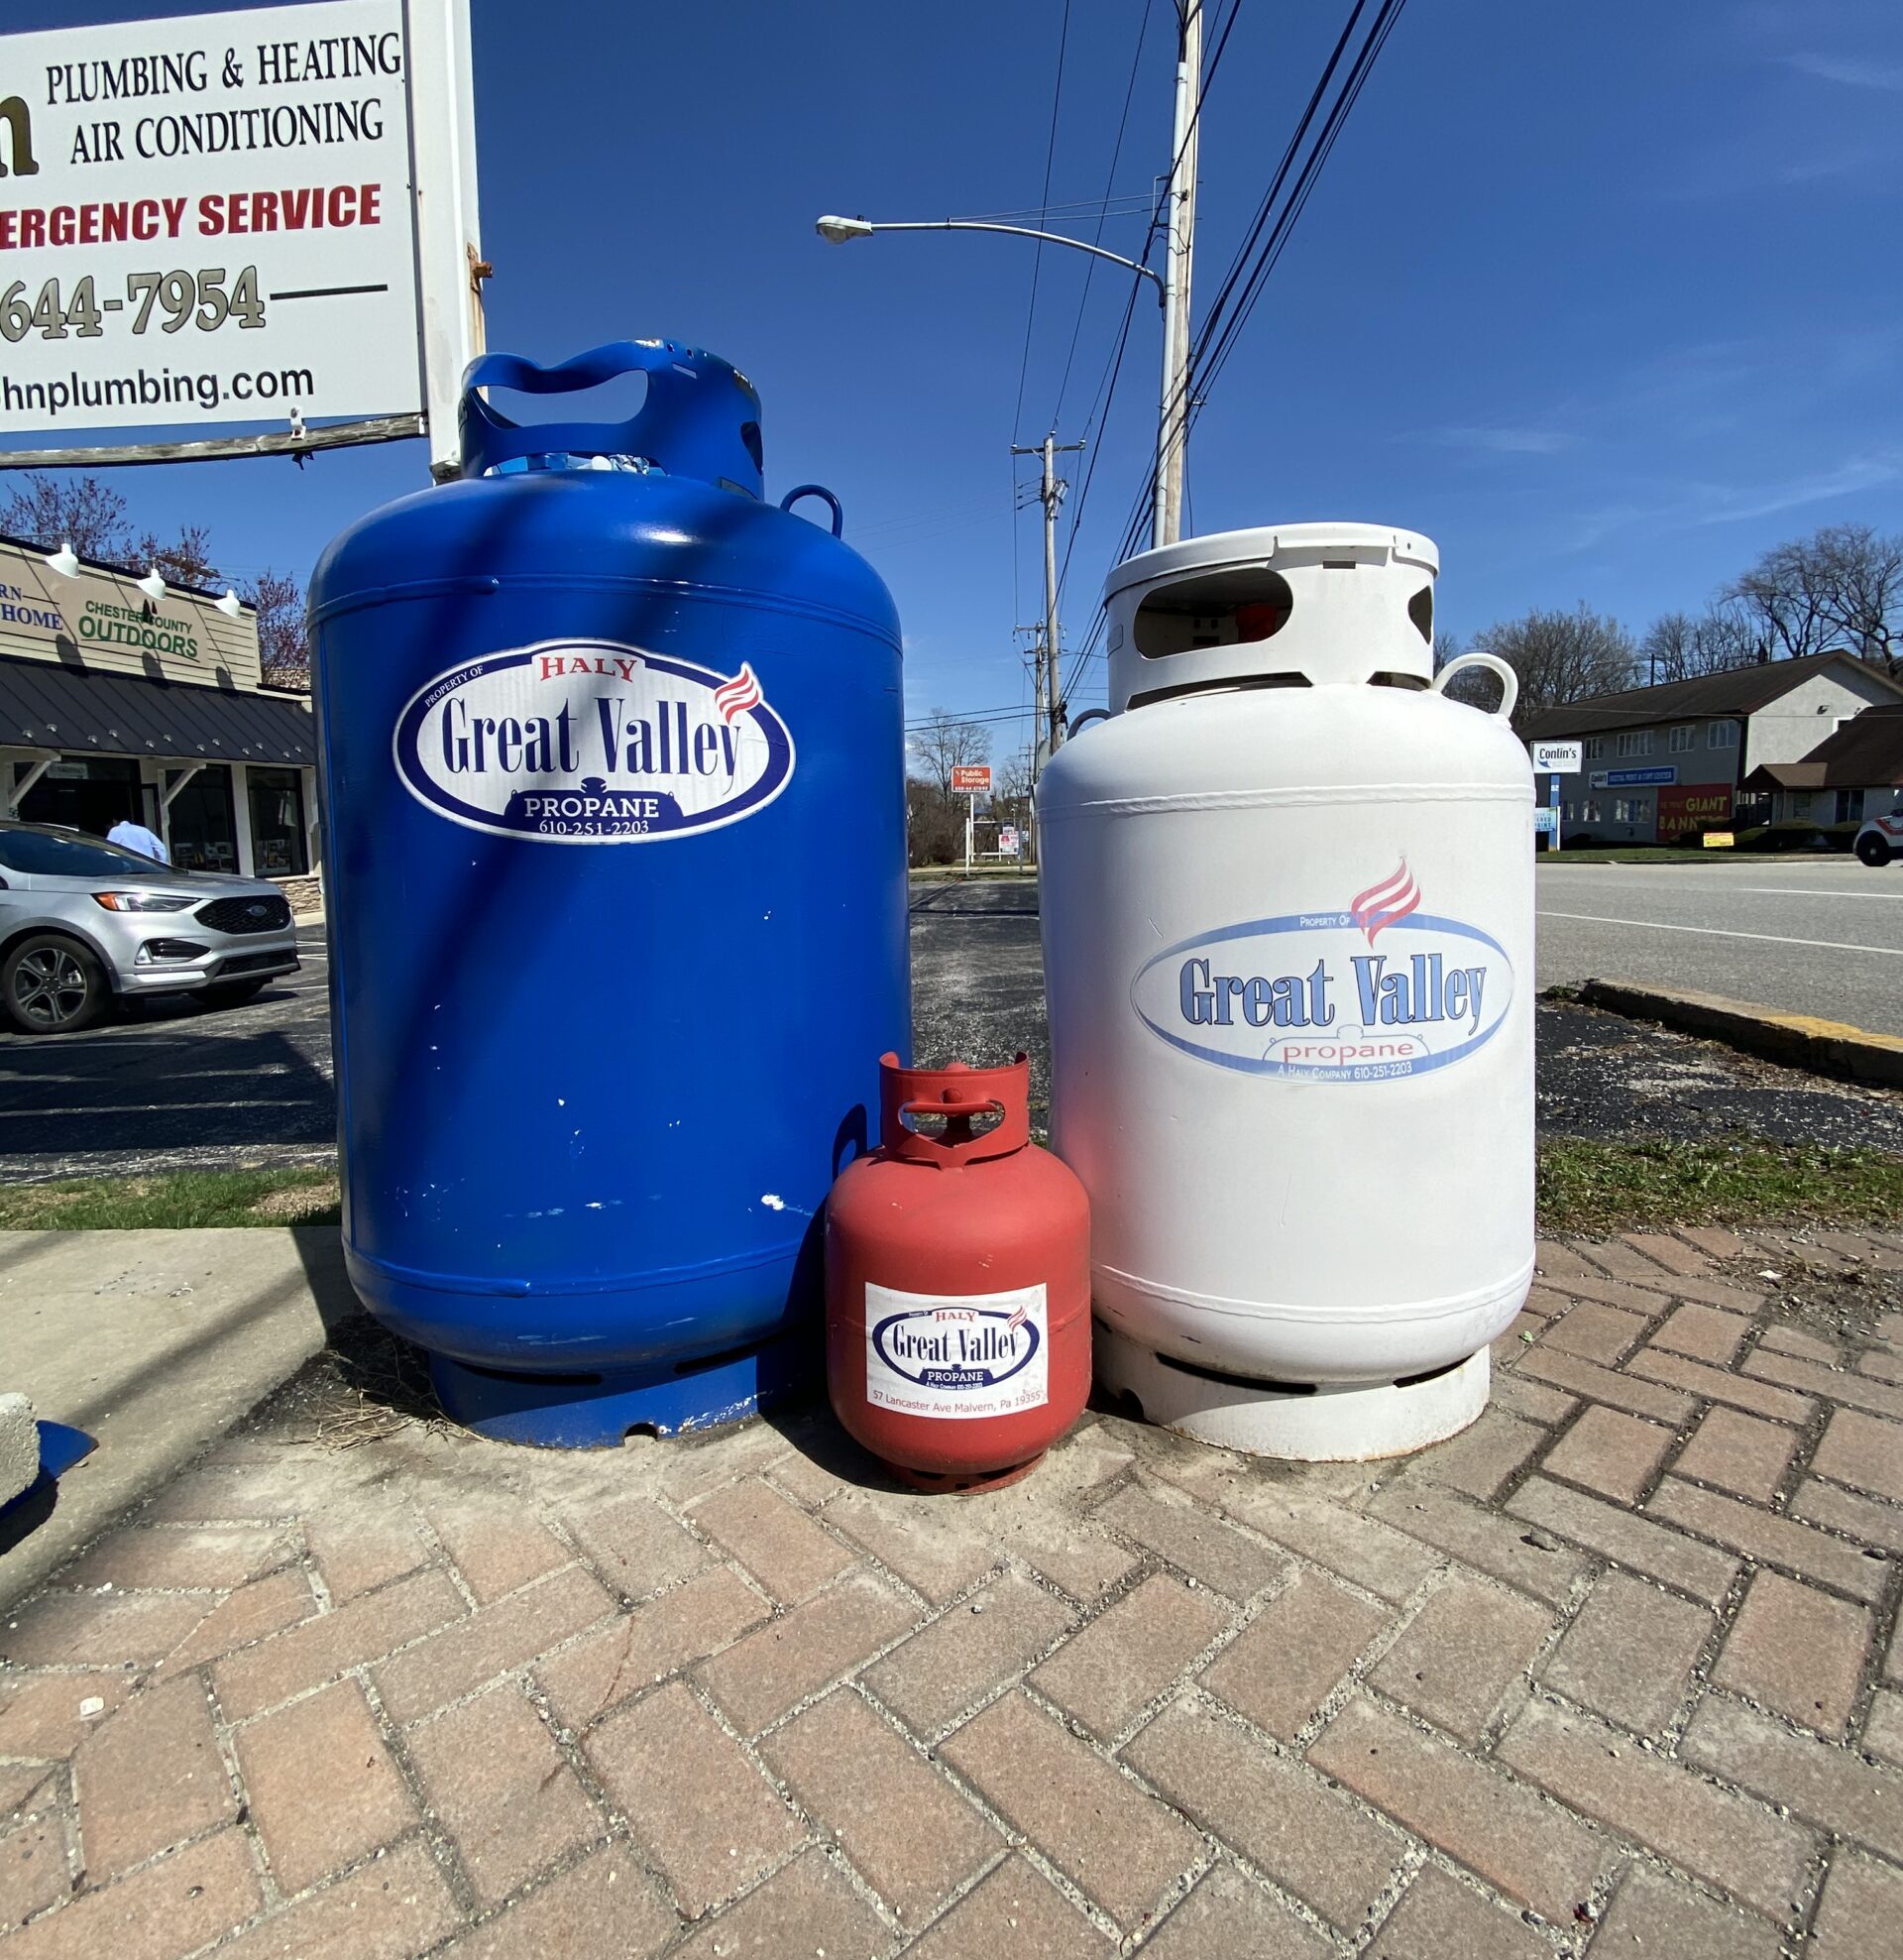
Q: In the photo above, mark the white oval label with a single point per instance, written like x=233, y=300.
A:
x=589, y=741
x=956, y=1356
x=1311, y=995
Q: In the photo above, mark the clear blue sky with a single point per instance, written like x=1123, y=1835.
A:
x=1603, y=299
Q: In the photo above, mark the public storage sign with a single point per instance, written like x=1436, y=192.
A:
x=207, y=219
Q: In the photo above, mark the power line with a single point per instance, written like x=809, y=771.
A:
x=1037, y=258
x=1219, y=335
x=1116, y=152
x=1215, y=346
x=978, y=715
x=1113, y=367
x=1240, y=262
x=1077, y=210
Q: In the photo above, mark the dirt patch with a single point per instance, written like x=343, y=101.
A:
x=1819, y=1289
x=365, y=1387
x=296, y=1201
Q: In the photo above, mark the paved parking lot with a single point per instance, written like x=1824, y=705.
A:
x=170, y=1088
x=1812, y=936
x=172, y=1085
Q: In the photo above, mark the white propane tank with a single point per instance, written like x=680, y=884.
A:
x=1287, y=921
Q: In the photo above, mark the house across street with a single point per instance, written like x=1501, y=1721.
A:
x=1659, y=764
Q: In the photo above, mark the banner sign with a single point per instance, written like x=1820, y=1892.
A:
x=208, y=219
x=1635, y=778
x=1688, y=809
x=1552, y=756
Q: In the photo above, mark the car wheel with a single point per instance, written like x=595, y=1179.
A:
x=50, y=985
x=228, y=993
x=1872, y=850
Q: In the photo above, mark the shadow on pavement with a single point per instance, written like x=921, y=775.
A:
x=239, y=1089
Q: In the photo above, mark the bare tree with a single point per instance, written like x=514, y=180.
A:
x=283, y=645
x=91, y=516
x=186, y=560
x=1789, y=598
x=946, y=744
x=1683, y=645
x=1863, y=589
x=1012, y=781
x=1560, y=658
x=1447, y=647
x=48, y=511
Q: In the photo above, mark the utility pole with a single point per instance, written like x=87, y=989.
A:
x=1179, y=230
x=1049, y=494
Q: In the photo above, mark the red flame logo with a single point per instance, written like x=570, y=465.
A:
x=1387, y=903
x=738, y=695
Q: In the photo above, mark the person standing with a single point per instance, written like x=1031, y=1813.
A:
x=131, y=834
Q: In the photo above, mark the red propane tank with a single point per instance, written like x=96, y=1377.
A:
x=957, y=1282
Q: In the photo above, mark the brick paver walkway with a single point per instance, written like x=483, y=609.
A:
x=1615, y=1672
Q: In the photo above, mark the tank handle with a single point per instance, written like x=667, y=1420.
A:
x=1508, y=680
x=820, y=491
x=959, y=1092
x=701, y=417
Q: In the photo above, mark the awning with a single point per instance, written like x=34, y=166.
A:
x=66, y=712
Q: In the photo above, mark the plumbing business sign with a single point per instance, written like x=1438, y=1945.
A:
x=210, y=220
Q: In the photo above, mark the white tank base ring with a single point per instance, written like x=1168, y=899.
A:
x=1332, y=1422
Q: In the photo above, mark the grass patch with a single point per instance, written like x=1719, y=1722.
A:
x=1583, y=1186
x=301, y=1196
x=1633, y=854
x=958, y=874
x=1588, y=1187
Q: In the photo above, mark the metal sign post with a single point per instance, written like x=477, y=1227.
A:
x=974, y=780
x=1556, y=758
x=213, y=222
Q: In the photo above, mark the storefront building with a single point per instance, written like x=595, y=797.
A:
x=114, y=704
x=1667, y=762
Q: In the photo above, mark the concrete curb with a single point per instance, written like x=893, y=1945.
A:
x=1801, y=1041
x=19, y=1445
x=156, y=1343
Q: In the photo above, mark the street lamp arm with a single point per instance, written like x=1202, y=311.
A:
x=837, y=230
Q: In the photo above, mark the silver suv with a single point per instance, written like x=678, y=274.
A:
x=83, y=921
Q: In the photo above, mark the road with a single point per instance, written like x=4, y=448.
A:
x=171, y=1087
x=1812, y=937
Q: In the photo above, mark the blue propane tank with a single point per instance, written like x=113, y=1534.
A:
x=613, y=768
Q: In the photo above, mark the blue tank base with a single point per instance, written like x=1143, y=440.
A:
x=599, y=1412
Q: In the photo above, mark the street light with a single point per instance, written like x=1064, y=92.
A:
x=1176, y=220
x=838, y=231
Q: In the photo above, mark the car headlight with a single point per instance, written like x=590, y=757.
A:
x=138, y=901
